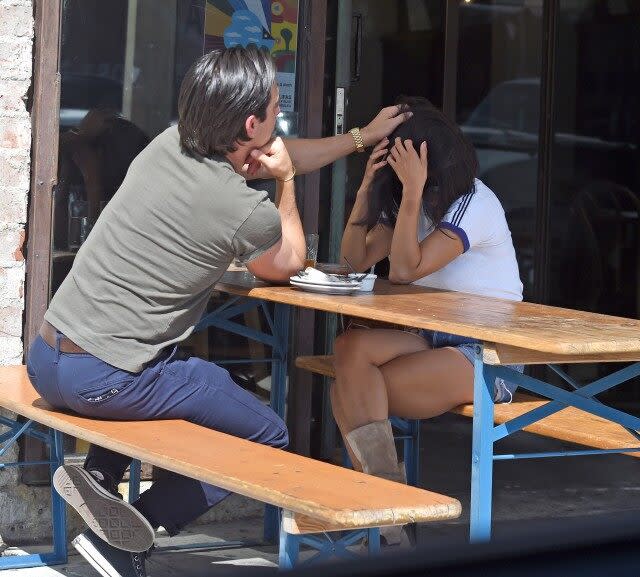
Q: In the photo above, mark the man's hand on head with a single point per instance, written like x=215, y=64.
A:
x=386, y=121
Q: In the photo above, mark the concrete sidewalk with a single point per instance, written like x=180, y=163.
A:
x=527, y=491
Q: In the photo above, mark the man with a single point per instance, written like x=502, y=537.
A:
x=142, y=280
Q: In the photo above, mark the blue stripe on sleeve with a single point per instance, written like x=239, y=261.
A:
x=458, y=232
x=462, y=208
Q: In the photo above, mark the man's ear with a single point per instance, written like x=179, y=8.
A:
x=250, y=125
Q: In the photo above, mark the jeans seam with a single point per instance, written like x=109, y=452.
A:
x=204, y=383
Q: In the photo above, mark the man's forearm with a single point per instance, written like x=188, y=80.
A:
x=292, y=231
x=309, y=154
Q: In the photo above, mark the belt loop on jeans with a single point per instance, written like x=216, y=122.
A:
x=58, y=339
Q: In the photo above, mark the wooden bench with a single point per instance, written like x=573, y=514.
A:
x=317, y=496
x=570, y=424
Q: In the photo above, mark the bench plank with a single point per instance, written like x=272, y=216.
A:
x=333, y=495
x=570, y=424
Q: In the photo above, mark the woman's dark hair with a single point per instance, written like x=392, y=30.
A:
x=452, y=165
x=218, y=93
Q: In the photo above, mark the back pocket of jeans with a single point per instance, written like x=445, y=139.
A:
x=105, y=392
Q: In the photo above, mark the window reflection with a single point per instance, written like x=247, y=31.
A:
x=121, y=65
x=595, y=167
x=595, y=185
x=498, y=107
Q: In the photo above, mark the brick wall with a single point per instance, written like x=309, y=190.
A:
x=16, y=40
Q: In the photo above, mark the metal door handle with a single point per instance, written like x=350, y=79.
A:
x=357, y=46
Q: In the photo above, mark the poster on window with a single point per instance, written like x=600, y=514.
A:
x=272, y=24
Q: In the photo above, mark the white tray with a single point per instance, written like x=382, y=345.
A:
x=326, y=289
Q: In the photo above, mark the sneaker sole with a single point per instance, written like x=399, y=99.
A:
x=113, y=520
x=92, y=556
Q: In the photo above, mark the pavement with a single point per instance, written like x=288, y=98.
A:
x=528, y=494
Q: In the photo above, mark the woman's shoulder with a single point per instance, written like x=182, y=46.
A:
x=484, y=197
x=484, y=192
x=479, y=197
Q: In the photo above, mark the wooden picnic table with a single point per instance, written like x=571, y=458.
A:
x=509, y=333
x=534, y=327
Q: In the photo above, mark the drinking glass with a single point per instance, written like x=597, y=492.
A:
x=312, y=250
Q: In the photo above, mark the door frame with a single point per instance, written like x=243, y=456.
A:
x=44, y=168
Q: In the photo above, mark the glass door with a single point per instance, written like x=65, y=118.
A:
x=499, y=61
x=376, y=51
x=382, y=50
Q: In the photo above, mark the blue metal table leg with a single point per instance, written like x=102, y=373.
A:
x=278, y=399
x=482, y=451
x=134, y=480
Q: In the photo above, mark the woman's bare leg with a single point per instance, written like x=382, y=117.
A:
x=350, y=357
x=381, y=372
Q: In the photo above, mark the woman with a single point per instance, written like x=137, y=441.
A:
x=421, y=205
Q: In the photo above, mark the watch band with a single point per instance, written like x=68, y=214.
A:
x=357, y=138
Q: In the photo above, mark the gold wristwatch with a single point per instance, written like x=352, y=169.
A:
x=357, y=137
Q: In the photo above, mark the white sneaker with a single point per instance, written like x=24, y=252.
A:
x=115, y=521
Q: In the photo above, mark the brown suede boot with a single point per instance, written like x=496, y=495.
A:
x=375, y=450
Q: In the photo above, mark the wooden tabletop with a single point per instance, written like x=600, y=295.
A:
x=517, y=324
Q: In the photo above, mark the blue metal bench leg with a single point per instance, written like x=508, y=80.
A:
x=374, y=540
x=412, y=452
x=324, y=547
x=289, y=549
x=134, y=480
x=482, y=451
x=58, y=508
x=54, y=440
x=278, y=399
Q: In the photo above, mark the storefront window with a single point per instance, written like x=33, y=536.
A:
x=595, y=171
x=498, y=108
x=594, y=225
x=121, y=66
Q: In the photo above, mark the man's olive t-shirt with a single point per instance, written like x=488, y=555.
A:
x=143, y=278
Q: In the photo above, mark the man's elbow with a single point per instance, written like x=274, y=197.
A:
x=280, y=272
x=291, y=270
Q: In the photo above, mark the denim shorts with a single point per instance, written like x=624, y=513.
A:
x=503, y=390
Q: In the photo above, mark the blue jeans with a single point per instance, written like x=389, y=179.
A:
x=193, y=390
x=502, y=390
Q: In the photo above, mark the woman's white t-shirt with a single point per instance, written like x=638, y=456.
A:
x=488, y=264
